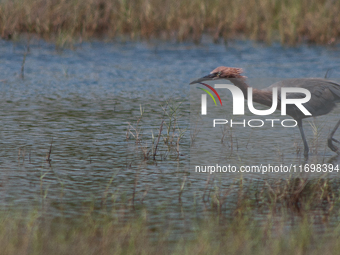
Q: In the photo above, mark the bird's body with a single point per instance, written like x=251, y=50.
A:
x=324, y=96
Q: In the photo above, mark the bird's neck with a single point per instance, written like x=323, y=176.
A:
x=259, y=96
x=241, y=84
x=263, y=97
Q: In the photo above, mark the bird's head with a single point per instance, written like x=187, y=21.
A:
x=221, y=72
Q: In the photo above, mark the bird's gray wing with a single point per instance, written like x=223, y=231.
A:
x=324, y=93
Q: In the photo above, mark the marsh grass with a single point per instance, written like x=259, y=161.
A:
x=262, y=222
x=163, y=142
x=66, y=22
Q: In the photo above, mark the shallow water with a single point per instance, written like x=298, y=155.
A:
x=81, y=101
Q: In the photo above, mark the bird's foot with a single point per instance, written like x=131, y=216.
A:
x=332, y=146
x=335, y=140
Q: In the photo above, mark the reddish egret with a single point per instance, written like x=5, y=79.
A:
x=324, y=96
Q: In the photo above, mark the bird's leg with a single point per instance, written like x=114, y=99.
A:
x=306, y=150
x=330, y=139
x=335, y=140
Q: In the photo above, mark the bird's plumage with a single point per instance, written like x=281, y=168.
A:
x=324, y=96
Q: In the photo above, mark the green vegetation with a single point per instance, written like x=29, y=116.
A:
x=290, y=21
x=285, y=217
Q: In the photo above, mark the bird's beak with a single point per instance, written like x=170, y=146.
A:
x=209, y=77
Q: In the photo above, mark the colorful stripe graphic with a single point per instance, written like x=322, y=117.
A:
x=208, y=93
x=213, y=90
